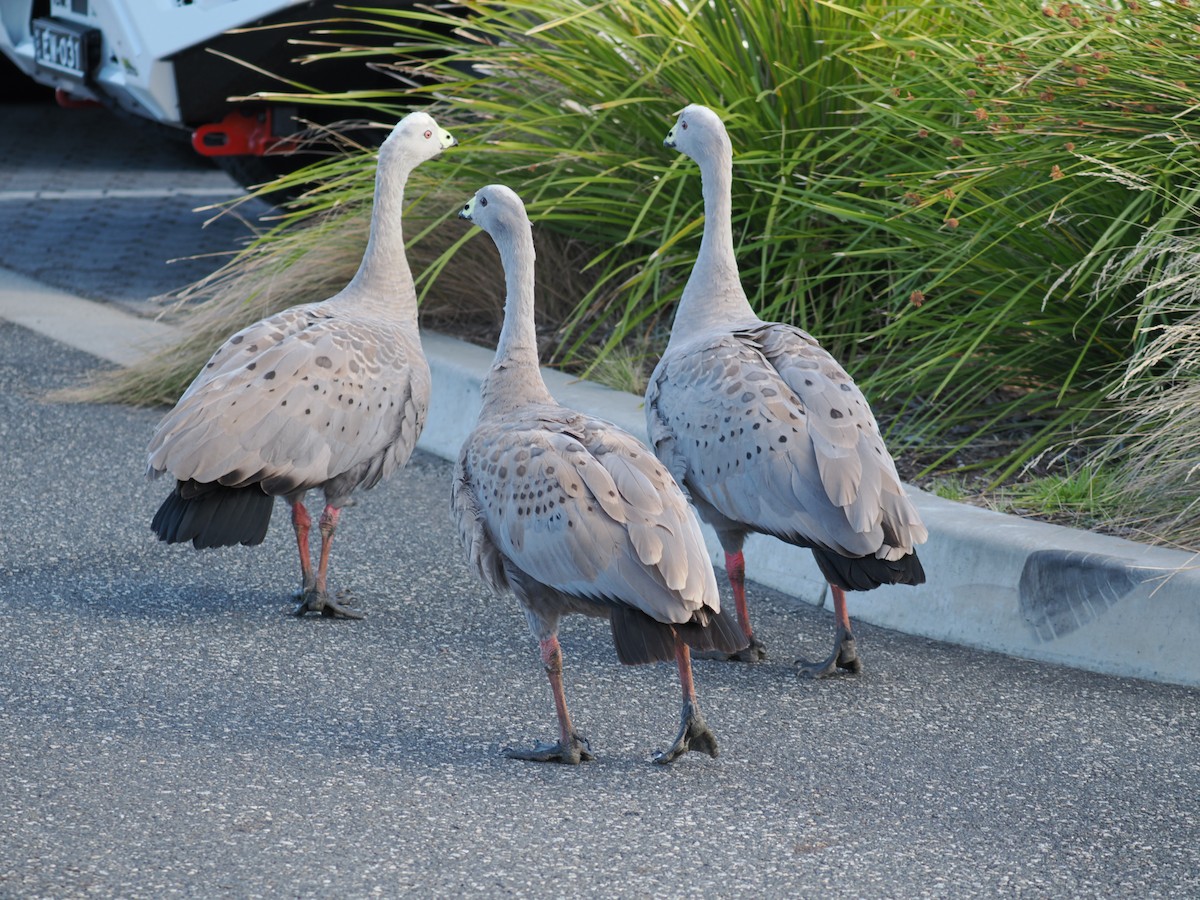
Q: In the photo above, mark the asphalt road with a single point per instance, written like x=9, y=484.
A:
x=166, y=728
x=110, y=209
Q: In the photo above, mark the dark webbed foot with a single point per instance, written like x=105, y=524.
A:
x=315, y=601
x=694, y=734
x=755, y=651
x=576, y=750
x=844, y=658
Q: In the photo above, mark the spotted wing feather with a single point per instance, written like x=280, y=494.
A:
x=583, y=508
x=765, y=427
x=296, y=401
x=858, y=472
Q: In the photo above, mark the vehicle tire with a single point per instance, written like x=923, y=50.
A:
x=17, y=87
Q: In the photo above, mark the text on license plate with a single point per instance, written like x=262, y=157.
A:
x=59, y=47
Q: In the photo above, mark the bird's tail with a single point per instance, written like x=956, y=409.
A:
x=868, y=572
x=639, y=639
x=212, y=515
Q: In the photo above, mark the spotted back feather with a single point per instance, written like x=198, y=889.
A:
x=763, y=425
x=561, y=497
x=297, y=400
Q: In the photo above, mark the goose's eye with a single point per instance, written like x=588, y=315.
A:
x=683, y=125
x=483, y=201
x=428, y=134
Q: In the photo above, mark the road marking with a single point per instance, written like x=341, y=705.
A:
x=119, y=194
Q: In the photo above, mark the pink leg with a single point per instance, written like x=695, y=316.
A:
x=840, y=617
x=683, y=663
x=552, y=660
x=302, y=523
x=328, y=525
x=735, y=568
x=571, y=748
x=694, y=733
x=315, y=593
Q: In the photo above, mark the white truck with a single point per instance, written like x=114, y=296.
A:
x=178, y=63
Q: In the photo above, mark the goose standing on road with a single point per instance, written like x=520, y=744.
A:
x=328, y=395
x=766, y=430
x=574, y=515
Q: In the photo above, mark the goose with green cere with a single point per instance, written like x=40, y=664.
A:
x=328, y=396
x=573, y=515
x=766, y=431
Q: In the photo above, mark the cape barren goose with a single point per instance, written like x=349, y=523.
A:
x=574, y=515
x=328, y=395
x=764, y=428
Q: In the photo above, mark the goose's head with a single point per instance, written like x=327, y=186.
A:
x=698, y=133
x=496, y=209
x=418, y=137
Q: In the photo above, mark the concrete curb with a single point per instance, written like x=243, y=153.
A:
x=101, y=329
x=996, y=582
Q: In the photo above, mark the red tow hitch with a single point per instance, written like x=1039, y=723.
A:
x=70, y=101
x=238, y=134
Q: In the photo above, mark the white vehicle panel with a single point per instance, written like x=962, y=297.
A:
x=137, y=40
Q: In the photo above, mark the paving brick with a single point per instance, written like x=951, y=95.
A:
x=105, y=217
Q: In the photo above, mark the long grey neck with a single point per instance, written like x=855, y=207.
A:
x=515, y=378
x=713, y=295
x=384, y=280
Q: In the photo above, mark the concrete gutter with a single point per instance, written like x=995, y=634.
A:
x=996, y=582
x=101, y=329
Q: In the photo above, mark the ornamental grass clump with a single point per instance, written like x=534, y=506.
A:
x=1043, y=153
x=1158, y=460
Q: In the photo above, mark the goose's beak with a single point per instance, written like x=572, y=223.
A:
x=669, y=140
x=446, y=139
x=467, y=211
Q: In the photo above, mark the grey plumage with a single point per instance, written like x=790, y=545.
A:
x=328, y=395
x=765, y=429
x=583, y=517
x=574, y=515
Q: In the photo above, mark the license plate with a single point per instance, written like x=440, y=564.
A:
x=64, y=46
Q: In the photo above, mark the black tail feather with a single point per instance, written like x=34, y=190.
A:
x=640, y=639
x=721, y=632
x=213, y=515
x=165, y=523
x=196, y=516
x=867, y=572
